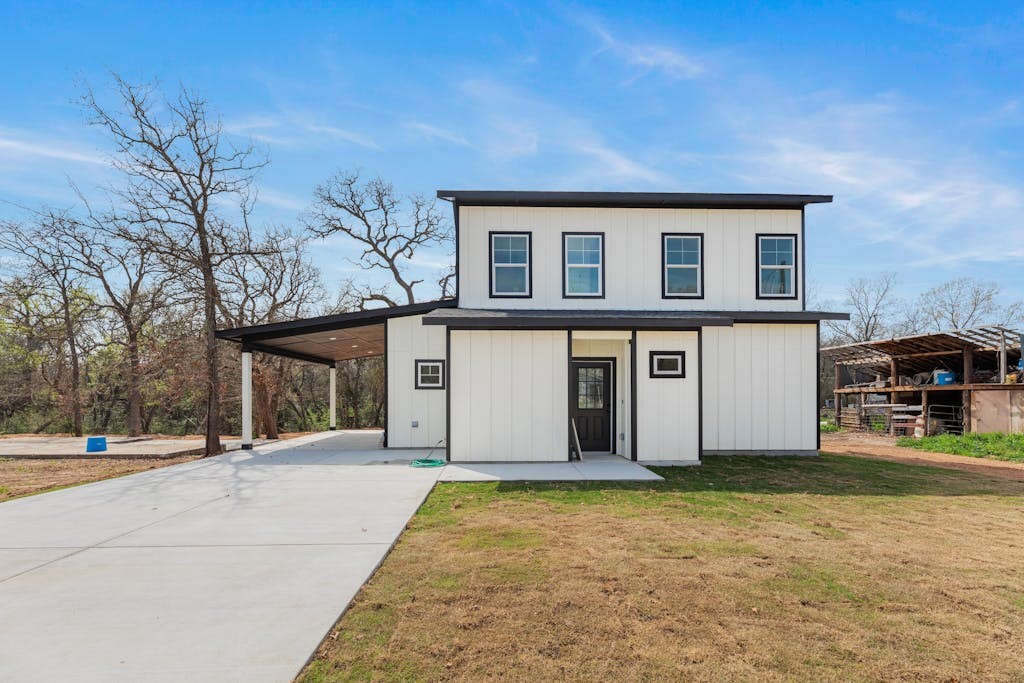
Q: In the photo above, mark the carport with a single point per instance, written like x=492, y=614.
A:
x=324, y=340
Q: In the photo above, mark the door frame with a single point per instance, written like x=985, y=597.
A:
x=612, y=383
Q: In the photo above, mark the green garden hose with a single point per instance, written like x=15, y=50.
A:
x=428, y=461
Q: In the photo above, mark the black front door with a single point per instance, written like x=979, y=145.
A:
x=592, y=404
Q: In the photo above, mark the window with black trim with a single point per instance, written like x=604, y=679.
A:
x=682, y=262
x=511, y=257
x=776, y=266
x=430, y=374
x=668, y=364
x=583, y=264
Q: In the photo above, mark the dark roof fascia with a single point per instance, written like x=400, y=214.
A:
x=608, y=320
x=560, y=320
x=645, y=200
x=339, y=321
x=784, y=316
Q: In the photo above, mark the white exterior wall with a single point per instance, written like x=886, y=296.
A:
x=510, y=395
x=408, y=340
x=616, y=346
x=632, y=255
x=668, y=408
x=760, y=388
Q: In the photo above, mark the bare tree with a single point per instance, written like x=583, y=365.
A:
x=50, y=259
x=390, y=229
x=280, y=284
x=873, y=307
x=961, y=303
x=181, y=173
x=134, y=285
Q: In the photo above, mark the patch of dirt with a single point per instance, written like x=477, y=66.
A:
x=22, y=477
x=884, y=448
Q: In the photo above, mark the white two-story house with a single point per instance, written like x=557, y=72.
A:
x=657, y=326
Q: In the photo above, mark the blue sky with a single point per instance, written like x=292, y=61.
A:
x=911, y=114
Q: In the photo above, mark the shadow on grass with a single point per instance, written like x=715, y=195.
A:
x=830, y=475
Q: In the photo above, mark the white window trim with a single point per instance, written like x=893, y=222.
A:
x=421, y=363
x=599, y=266
x=699, y=267
x=792, y=268
x=495, y=294
x=679, y=356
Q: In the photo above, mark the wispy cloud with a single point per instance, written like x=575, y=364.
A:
x=608, y=166
x=60, y=150
x=435, y=133
x=343, y=134
x=281, y=200
x=644, y=57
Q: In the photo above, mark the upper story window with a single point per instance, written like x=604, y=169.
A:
x=682, y=261
x=776, y=266
x=511, y=256
x=583, y=264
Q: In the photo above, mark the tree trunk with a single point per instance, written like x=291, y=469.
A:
x=76, y=389
x=213, y=446
x=134, y=381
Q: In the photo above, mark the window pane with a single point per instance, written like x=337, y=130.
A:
x=510, y=279
x=590, y=388
x=682, y=281
x=517, y=242
x=667, y=364
x=778, y=281
x=501, y=242
x=784, y=252
x=582, y=280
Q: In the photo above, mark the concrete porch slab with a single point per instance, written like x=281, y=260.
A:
x=618, y=469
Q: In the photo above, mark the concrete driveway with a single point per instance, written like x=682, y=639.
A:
x=228, y=568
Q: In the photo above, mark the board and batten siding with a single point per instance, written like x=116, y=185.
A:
x=509, y=396
x=408, y=340
x=668, y=408
x=760, y=388
x=632, y=255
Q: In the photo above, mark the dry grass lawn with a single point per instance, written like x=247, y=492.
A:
x=779, y=569
x=23, y=477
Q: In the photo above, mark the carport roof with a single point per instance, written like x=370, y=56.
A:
x=329, y=338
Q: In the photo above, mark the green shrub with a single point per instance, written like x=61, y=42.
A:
x=827, y=427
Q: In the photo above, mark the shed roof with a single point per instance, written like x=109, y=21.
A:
x=877, y=354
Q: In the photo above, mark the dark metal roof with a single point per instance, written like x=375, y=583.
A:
x=329, y=338
x=336, y=321
x=654, y=200
x=590, y=319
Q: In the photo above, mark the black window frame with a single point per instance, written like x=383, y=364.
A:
x=665, y=266
x=796, y=266
x=490, y=263
x=431, y=361
x=661, y=375
x=603, y=266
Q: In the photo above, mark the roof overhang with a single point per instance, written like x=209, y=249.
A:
x=492, y=319
x=329, y=338
x=645, y=200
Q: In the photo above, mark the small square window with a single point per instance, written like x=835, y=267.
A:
x=430, y=374
x=668, y=364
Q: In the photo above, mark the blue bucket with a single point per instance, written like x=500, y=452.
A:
x=95, y=444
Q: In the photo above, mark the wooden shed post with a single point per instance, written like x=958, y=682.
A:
x=894, y=380
x=1002, y=356
x=924, y=410
x=837, y=398
x=966, y=394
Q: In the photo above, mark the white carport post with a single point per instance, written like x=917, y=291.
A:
x=334, y=397
x=246, y=398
